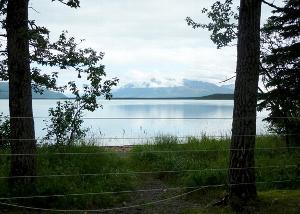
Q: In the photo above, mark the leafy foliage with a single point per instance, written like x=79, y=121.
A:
x=63, y=54
x=70, y=3
x=65, y=123
x=279, y=58
x=281, y=67
x=4, y=131
x=222, y=25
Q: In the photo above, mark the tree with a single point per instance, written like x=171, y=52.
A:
x=20, y=98
x=29, y=43
x=242, y=187
x=280, y=69
x=241, y=176
x=66, y=119
x=279, y=60
x=65, y=123
x=223, y=26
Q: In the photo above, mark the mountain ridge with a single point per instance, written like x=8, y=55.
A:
x=47, y=94
x=188, y=89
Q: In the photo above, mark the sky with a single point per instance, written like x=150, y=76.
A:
x=143, y=40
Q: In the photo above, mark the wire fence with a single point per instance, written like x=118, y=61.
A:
x=143, y=190
x=158, y=118
x=146, y=138
x=107, y=209
x=148, y=151
x=157, y=137
x=186, y=190
x=148, y=172
x=195, y=189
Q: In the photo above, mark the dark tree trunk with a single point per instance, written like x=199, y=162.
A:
x=20, y=97
x=242, y=187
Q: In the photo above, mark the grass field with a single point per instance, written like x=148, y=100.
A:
x=174, y=164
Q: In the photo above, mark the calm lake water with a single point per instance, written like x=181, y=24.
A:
x=101, y=129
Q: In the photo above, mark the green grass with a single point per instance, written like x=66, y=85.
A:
x=204, y=154
x=49, y=164
x=174, y=155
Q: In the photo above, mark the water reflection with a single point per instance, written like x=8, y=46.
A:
x=140, y=128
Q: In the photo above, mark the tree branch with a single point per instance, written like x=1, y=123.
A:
x=228, y=79
x=260, y=90
x=271, y=5
x=70, y=3
x=34, y=10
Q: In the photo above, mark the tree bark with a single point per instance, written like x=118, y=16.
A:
x=242, y=187
x=20, y=95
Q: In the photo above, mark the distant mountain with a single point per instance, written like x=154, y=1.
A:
x=231, y=86
x=189, y=88
x=47, y=94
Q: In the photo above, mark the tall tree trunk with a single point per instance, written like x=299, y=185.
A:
x=242, y=187
x=20, y=95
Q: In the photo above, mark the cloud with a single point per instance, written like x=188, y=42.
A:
x=143, y=39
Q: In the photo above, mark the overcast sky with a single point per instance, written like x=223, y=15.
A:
x=143, y=39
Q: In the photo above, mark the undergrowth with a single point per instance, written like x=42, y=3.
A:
x=207, y=160
x=51, y=163
x=193, y=163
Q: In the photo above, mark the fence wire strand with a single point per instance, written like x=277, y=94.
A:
x=129, y=191
x=193, y=189
x=107, y=209
x=157, y=137
x=148, y=172
x=158, y=118
x=149, y=151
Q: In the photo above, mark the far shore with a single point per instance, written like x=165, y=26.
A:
x=209, y=97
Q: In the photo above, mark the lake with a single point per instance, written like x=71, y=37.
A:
x=153, y=117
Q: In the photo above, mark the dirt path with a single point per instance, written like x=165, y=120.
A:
x=174, y=206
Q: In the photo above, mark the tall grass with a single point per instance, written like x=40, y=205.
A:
x=209, y=157
x=49, y=163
